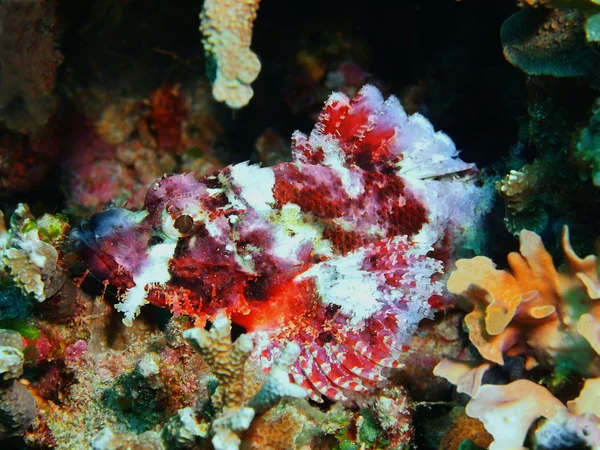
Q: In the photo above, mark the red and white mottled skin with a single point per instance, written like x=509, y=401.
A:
x=339, y=250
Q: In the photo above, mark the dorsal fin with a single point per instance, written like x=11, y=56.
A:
x=373, y=134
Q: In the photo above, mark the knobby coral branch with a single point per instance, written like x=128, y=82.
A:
x=227, y=361
x=226, y=26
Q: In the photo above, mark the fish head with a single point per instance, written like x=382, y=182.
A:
x=114, y=244
x=180, y=237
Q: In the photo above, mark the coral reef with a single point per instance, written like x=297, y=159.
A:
x=29, y=59
x=465, y=428
x=28, y=253
x=226, y=27
x=589, y=8
x=553, y=41
x=310, y=301
x=520, y=189
x=25, y=160
x=586, y=149
x=509, y=411
x=555, y=181
x=17, y=405
x=233, y=414
x=548, y=42
x=546, y=314
x=119, y=145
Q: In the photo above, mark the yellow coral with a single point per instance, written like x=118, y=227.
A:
x=508, y=412
x=519, y=187
x=465, y=427
x=227, y=29
x=467, y=376
x=534, y=309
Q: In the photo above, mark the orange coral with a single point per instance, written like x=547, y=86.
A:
x=548, y=315
x=467, y=376
x=463, y=428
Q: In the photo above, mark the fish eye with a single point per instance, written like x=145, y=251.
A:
x=181, y=218
x=184, y=224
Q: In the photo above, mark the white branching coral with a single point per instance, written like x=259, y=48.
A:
x=191, y=428
x=227, y=361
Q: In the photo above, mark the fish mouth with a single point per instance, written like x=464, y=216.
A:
x=113, y=244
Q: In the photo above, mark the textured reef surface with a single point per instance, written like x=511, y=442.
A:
x=181, y=268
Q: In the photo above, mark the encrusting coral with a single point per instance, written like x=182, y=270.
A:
x=227, y=29
x=464, y=427
x=26, y=251
x=554, y=38
x=550, y=316
x=17, y=405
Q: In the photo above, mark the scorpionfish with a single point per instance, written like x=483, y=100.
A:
x=340, y=250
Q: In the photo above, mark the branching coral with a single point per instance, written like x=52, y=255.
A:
x=549, y=316
x=27, y=253
x=227, y=361
x=227, y=29
x=17, y=405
